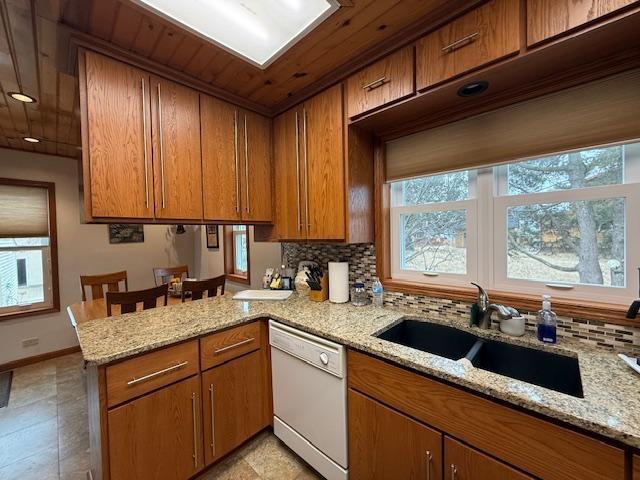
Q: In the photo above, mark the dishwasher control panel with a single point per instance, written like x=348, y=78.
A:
x=313, y=350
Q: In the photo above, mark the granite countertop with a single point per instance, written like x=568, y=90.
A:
x=610, y=407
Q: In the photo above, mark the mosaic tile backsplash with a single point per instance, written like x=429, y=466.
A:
x=362, y=267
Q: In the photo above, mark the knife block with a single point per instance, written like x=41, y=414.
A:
x=322, y=294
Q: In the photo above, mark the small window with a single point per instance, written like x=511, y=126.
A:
x=28, y=257
x=236, y=247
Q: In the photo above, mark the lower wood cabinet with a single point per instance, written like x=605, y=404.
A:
x=158, y=435
x=636, y=467
x=236, y=404
x=386, y=445
x=465, y=463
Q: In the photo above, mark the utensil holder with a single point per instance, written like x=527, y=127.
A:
x=322, y=294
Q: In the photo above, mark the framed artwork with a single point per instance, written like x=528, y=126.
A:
x=126, y=233
x=213, y=241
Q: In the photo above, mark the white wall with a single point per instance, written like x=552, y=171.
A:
x=82, y=249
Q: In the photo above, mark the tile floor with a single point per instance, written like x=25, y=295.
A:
x=44, y=433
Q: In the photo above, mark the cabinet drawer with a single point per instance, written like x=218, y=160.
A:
x=383, y=82
x=483, y=35
x=549, y=18
x=223, y=346
x=537, y=446
x=143, y=374
x=464, y=463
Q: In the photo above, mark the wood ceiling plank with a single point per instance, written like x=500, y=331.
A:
x=127, y=26
x=66, y=100
x=102, y=18
x=169, y=40
x=199, y=62
x=185, y=52
x=77, y=13
x=147, y=37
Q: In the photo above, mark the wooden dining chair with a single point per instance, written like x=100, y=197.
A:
x=128, y=301
x=165, y=274
x=198, y=287
x=98, y=282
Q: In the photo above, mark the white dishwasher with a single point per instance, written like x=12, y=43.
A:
x=309, y=377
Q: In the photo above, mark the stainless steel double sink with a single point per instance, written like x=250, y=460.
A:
x=556, y=372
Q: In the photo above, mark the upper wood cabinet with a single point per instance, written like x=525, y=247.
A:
x=255, y=168
x=385, y=81
x=176, y=146
x=116, y=128
x=547, y=19
x=158, y=435
x=486, y=34
x=220, y=125
x=465, y=463
x=386, y=445
x=323, y=173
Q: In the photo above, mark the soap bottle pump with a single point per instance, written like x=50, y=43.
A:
x=547, y=322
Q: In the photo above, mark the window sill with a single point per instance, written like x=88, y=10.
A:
x=232, y=277
x=604, y=312
x=28, y=313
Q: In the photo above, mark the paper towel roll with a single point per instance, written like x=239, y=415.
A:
x=338, y=282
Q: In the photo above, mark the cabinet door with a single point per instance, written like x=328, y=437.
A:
x=220, y=159
x=484, y=35
x=323, y=148
x=636, y=467
x=386, y=445
x=177, y=160
x=288, y=173
x=119, y=139
x=465, y=463
x=236, y=404
x=549, y=18
x=256, y=168
x=158, y=435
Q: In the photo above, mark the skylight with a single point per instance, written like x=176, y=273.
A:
x=257, y=30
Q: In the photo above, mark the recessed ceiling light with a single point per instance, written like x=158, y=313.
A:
x=257, y=30
x=22, y=97
x=31, y=139
x=473, y=88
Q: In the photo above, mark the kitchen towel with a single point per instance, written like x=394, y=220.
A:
x=338, y=282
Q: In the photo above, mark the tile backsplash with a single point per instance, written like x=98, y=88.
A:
x=362, y=267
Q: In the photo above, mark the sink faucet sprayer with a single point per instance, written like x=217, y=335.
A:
x=481, y=315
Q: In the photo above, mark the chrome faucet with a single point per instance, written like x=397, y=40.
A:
x=485, y=309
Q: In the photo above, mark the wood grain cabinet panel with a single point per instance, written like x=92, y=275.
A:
x=289, y=203
x=177, y=156
x=220, y=126
x=117, y=132
x=158, y=435
x=236, y=404
x=255, y=167
x=324, y=166
x=547, y=19
x=486, y=34
x=636, y=467
x=465, y=463
x=221, y=347
x=386, y=445
x=384, y=82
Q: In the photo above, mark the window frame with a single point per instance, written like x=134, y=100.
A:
x=51, y=303
x=230, y=255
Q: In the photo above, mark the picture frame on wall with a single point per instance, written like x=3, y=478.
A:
x=126, y=233
x=213, y=239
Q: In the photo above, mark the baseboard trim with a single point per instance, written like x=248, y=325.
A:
x=22, y=362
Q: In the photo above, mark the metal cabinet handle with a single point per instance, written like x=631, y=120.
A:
x=157, y=374
x=235, y=345
x=161, y=146
x=375, y=84
x=144, y=143
x=195, y=431
x=464, y=41
x=306, y=169
x=246, y=163
x=429, y=459
x=454, y=472
x=237, y=159
x=298, y=173
x=213, y=424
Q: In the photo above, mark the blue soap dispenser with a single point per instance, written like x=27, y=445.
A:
x=547, y=321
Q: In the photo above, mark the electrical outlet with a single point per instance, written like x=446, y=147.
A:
x=30, y=342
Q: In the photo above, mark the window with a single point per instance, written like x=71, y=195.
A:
x=28, y=257
x=560, y=223
x=236, y=246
